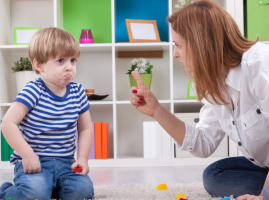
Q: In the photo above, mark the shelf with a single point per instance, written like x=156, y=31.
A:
x=265, y=42
x=106, y=47
x=141, y=162
x=5, y=104
x=147, y=46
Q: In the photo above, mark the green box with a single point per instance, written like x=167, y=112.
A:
x=256, y=19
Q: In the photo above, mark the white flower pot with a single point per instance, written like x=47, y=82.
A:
x=22, y=78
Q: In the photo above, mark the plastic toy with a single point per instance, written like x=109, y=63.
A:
x=78, y=169
x=9, y=198
x=162, y=187
x=182, y=199
x=181, y=196
x=227, y=198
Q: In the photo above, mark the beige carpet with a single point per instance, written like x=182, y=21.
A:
x=149, y=192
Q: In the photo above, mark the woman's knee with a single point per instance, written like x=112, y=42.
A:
x=210, y=179
x=266, y=192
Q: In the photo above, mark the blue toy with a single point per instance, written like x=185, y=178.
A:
x=227, y=198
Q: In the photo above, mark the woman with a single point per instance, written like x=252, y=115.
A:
x=231, y=75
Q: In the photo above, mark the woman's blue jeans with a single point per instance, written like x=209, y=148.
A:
x=235, y=176
x=55, y=181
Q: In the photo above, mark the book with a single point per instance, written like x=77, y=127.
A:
x=159, y=137
x=105, y=140
x=92, y=154
x=98, y=140
x=153, y=140
x=167, y=145
x=146, y=139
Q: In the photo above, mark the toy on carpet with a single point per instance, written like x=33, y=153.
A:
x=162, y=187
x=78, y=169
x=181, y=196
x=226, y=198
x=9, y=198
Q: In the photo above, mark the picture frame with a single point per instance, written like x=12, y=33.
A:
x=142, y=30
x=191, y=94
x=22, y=35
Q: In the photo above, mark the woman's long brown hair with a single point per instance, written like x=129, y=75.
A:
x=215, y=46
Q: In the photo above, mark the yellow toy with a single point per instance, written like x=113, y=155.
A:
x=162, y=187
x=181, y=195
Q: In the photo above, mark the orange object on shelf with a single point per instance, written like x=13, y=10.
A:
x=104, y=140
x=98, y=140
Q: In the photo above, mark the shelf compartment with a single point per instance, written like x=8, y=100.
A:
x=104, y=113
x=24, y=14
x=97, y=74
x=160, y=77
x=130, y=130
x=150, y=10
x=86, y=14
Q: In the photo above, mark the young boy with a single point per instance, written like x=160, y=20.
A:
x=48, y=110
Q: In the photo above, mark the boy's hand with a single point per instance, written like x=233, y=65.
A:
x=31, y=164
x=83, y=164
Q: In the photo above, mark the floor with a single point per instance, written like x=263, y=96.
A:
x=142, y=175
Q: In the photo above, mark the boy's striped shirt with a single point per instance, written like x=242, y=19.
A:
x=50, y=125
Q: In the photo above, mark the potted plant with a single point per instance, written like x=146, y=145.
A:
x=24, y=72
x=182, y=3
x=143, y=68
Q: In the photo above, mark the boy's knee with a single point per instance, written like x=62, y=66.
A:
x=81, y=188
x=35, y=192
x=86, y=188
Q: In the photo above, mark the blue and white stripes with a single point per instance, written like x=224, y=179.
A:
x=50, y=125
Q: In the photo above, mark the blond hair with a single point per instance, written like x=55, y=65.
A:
x=49, y=43
x=215, y=45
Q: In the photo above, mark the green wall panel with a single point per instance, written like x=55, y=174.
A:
x=88, y=14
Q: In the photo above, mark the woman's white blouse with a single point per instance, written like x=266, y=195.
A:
x=248, y=124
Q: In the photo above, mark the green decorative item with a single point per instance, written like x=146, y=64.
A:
x=23, y=35
x=182, y=3
x=256, y=20
x=143, y=68
x=145, y=77
x=191, y=90
x=6, y=150
x=23, y=64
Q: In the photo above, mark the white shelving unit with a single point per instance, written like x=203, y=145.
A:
x=100, y=62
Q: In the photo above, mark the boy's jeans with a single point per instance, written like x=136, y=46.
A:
x=56, y=180
x=235, y=176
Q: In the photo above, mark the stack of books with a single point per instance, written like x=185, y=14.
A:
x=157, y=142
x=100, y=146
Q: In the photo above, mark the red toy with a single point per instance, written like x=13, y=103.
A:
x=78, y=169
x=182, y=199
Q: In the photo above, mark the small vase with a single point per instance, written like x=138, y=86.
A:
x=86, y=36
x=145, y=77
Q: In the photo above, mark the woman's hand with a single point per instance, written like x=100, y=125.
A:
x=143, y=99
x=249, y=197
x=82, y=163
